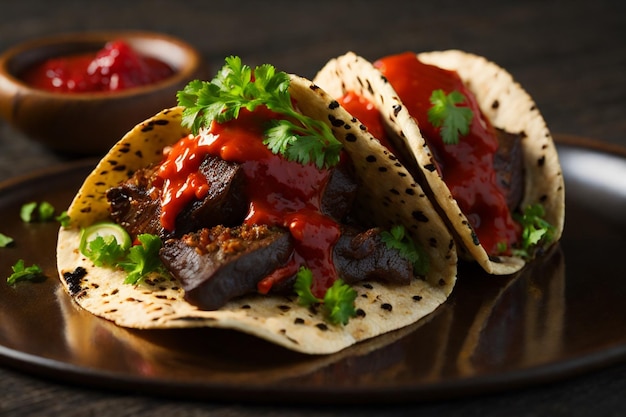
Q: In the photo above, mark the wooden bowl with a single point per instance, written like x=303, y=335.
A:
x=90, y=123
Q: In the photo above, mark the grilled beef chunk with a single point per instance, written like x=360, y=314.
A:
x=364, y=256
x=226, y=202
x=340, y=190
x=509, y=165
x=218, y=264
x=360, y=256
x=136, y=205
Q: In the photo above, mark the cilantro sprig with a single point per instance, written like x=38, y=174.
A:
x=143, y=259
x=453, y=120
x=138, y=261
x=21, y=272
x=397, y=238
x=536, y=231
x=236, y=86
x=338, y=302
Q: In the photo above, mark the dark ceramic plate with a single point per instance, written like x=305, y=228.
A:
x=562, y=315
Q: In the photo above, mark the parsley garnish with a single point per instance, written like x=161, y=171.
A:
x=25, y=273
x=535, y=230
x=453, y=120
x=397, y=238
x=5, y=240
x=235, y=87
x=338, y=302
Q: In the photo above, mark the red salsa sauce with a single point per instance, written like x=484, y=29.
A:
x=115, y=67
x=467, y=167
x=281, y=192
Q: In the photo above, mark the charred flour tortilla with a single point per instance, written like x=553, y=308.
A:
x=390, y=196
x=503, y=102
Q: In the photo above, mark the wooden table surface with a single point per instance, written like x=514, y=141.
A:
x=569, y=55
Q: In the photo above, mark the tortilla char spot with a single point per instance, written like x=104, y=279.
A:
x=334, y=121
x=442, y=282
x=360, y=312
x=417, y=298
x=432, y=242
x=419, y=216
x=368, y=286
x=382, y=169
x=139, y=154
x=430, y=167
x=370, y=158
x=495, y=259
x=74, y=279
x=333, y=105
x=298, y=320
x=350, y=137
x=284, y=307
x=147, y=128
x=322, y=326
x=386, y=306
x=410, y=191
x=495, y=104
x=475, y=238
x=396, y=109
x=394, y=191
x=541, y=161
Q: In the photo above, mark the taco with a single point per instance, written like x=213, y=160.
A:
x=245, y=230
x=472, y=138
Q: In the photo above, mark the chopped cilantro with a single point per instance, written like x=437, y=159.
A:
x=25, y=273
x=27, y=212
x=536, y=231
x=104, y=251
x=235, y=87
x=397, y=238
x=453, y=120
x=5, y=240
x=142, y=259
x=37, y=212
x=63, y=218
x=338, y=302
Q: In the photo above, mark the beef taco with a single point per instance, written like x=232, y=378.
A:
x=474, y=140
x=257, y=205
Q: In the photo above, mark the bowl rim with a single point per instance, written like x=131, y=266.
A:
x=191, y=64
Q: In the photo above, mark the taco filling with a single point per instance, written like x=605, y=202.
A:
x=251, y=216
x=432, y=118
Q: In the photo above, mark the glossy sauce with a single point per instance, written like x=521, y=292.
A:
x=281, y=193
x=115, y=67
x=467, y=167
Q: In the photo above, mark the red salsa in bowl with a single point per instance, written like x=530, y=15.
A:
x=117, y=66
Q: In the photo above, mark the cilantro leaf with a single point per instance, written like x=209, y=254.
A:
x=104, y=251
x=5, y=240
x=397, y=238
x=339, y=302
x=453, y=120
x=142, y=259
x=302, y=286
x=23, y=273
x=63, y=218
x=235, y=87
x=27, y=212
x=535, y=230
x=34, y=211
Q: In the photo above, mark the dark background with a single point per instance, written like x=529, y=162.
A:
x=569, y=55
